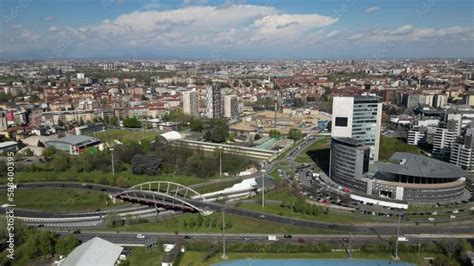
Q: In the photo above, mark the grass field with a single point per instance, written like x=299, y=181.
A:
x=312, y=152
x=140, y=257
x=285, y=195
x=101, y=177
x=239, y=225
x=59, y=200
x=124, y=135
x=390, y=145
x=329, y=218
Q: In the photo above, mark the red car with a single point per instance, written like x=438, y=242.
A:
x=300, y=240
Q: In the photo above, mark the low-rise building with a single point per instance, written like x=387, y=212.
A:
x=73, y=144
x=7, y=146
x=96, y=251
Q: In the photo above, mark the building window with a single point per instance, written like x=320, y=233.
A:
x=341, y=121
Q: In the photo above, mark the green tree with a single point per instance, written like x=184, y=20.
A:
x=121, y=182
x=113, y=121
x=60, y=162
x=46, y=243
x=132, y=122
x=28, y=152
x=66, y=244
x=49, y=152
x=149, y=164
x=31, y=246
x=274, y=133
x=177, y=116
x=295, y=134
x=196, y=125
x=218, y=131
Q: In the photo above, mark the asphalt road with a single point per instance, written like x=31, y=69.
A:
x=130, y=238
x=287, y=221
x=379, y=229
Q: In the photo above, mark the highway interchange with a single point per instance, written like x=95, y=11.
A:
x=364, y=231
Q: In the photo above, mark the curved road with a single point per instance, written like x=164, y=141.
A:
x=379, y=229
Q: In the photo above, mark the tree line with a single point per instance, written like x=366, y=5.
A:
x=150, y=158
x=34, y=245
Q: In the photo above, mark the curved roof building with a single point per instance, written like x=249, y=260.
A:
x=418, y=178
x=421, y=166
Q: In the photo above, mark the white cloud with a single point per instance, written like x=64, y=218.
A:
x=194, y=2
x=48, y=18
x=332, y=34
x=208, y=25
x=412, y=33
x=222, y=31
x=53, y=29
x=372, y=9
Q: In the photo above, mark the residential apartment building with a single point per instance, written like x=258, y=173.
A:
x=445, y=136
x=416, y=135
x=214, y=101
x=191, y=102
x=231, y=106
x=462, y=151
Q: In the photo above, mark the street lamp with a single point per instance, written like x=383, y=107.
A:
x=398, y=236
x=224, y=256
x=263, y=188
x=220, y=161
x=113, y=167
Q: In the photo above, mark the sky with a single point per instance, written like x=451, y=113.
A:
x=236, y=29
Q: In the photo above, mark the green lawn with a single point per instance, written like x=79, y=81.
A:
x=331, y=217
x=282, y=194
x=101, y=177
x=239, y=225
x=312, y=152
x=59, y=200
x=123, y=135
x=283, y=166
x=390, y=145
x=140, y=257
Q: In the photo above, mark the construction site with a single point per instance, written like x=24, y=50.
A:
x=308, y=121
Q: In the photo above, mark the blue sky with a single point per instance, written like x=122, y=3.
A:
x=236, y=28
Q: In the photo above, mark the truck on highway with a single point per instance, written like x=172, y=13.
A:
x=272, y=238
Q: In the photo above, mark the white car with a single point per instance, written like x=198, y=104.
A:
x=140, y=236
x=452, y=216
x=456, y=211
x=434, y=213
x=431, y=219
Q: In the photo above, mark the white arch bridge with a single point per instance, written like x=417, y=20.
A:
x=165, y=194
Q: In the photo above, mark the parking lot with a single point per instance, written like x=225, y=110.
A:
x=312, y=187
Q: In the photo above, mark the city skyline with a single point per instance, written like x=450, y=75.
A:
x=236, y=29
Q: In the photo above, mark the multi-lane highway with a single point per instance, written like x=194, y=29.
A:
x=130, y=238
x=384, y=228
